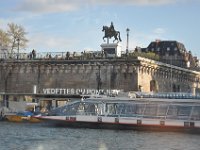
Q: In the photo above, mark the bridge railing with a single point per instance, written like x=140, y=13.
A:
x=54, y=56
x=42, y=55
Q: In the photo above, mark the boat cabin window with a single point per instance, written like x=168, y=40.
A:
x=140, y=109
x=196, y=113
x=184, y=110
x=89, y=108
x=126, y=109
x=111, y=108
x=178, y=111
x=150, y=110
x=162, y=109
x=70, y=109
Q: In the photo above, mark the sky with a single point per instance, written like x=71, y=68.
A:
x=76, y=25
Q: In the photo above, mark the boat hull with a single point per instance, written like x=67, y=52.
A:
x=125, y=125
x=16, y=118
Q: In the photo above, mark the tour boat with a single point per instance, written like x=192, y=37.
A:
x=163, y=114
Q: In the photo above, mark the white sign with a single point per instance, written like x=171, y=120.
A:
x=78, y=91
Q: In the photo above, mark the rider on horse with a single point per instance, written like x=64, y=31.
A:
x=112, y=27
x=111, y=32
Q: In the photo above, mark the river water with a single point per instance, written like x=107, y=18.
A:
x=25, y=136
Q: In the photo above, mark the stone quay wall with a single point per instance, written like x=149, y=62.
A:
x=22, y=76
x=67, y=76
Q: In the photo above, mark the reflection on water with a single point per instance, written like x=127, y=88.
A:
x=41, y=137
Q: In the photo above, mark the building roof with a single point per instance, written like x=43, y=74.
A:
x=163, y=47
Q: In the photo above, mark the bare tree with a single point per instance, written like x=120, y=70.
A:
x=17, y=35
x=4, y=40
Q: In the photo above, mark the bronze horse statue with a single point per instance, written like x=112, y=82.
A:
x=109, y=33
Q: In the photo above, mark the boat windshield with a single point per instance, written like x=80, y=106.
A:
x=79, y=108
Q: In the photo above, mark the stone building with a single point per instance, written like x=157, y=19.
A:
x=173, y=52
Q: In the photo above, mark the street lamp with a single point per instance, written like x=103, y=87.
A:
x=18, y=48
x=1, y=45
x=127, y=31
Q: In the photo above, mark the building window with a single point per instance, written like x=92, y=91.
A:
x=168, y=49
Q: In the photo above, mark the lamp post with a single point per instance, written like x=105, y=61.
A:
x=127, y=31
x=1, y=45
x=18, y=47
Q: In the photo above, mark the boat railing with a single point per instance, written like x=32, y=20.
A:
x=170, y=95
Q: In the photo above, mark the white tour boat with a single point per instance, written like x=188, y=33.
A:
x=163, y=114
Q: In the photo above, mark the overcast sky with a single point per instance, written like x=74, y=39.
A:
x=76, y=25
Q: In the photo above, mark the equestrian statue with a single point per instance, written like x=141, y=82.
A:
x=111, y=32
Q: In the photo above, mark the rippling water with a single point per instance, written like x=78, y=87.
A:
x=24, y=136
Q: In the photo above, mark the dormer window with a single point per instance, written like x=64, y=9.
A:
x=168, y=49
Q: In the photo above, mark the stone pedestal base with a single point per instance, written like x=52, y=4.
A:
x=112, y=50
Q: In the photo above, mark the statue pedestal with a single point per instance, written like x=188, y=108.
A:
x=112, y=50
